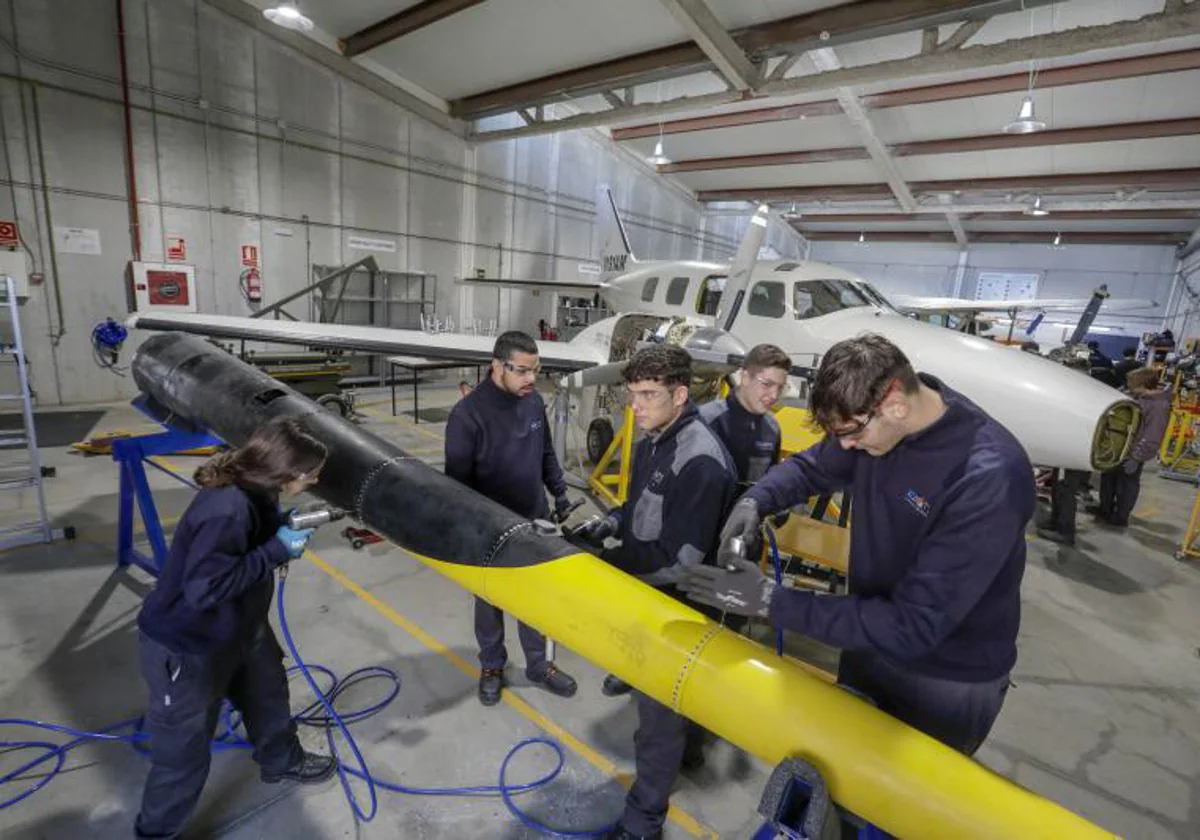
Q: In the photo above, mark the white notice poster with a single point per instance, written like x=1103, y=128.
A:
x=70, y=240
x=363, y=243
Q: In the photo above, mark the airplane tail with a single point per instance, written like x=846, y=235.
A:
x=616, y=255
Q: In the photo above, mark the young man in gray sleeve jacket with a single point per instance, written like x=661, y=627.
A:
x=679, y=490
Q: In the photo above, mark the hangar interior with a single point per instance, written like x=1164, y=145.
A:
x=465, y=155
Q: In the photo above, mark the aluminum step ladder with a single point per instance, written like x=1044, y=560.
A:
x=20, y=460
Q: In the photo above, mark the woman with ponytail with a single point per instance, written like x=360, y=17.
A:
x=205, y=635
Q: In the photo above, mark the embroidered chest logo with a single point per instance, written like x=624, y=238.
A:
x=535, y=425
x=920, y=503
x=656, y=479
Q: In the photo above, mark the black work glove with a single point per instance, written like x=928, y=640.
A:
x=780, y=519
x=741, y=589
x=562, y=508
x=595, y=531
x=743, y=522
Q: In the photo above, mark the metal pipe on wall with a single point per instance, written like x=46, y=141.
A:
x=135, y=228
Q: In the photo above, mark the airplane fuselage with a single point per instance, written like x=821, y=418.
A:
x=806, y=307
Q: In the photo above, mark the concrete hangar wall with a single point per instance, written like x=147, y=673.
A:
x=239, y=139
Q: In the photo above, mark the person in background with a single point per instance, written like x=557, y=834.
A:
x=1097, y=358
x=1119, y=487
x=929, y=628
x=498, y=442
x=743, y=420
x=681, y=484
x=1066, y=485
x=204, y=629
x=1126, y=366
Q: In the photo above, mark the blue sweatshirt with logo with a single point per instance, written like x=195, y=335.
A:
x=499, y=444
x=937, y=545
x=215, y=589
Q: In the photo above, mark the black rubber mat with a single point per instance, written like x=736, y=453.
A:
x=54, y=428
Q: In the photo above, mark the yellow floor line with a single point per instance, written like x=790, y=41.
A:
x=676, y=815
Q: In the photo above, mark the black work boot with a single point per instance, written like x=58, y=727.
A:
x=1055, y=536
x=693, y=758
x=491, y=681
x=614, y=686
x=553, y=680
x=310, y=770
x=619, y=832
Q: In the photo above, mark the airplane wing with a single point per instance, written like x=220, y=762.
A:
x=470, y=349
x=932, y=305
x=582, y=288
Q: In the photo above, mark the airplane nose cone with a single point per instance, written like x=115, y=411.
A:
x=1062, y=417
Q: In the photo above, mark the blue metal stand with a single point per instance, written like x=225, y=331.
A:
x=132, y=455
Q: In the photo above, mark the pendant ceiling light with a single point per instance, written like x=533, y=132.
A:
x=287, y=15
x=1027, y=121
x=1036, y=209
x=658, y=158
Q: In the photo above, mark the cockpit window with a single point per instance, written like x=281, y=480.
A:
x=767, y=300
x=813, y=298
x=873, y=294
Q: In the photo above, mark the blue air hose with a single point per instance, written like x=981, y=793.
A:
x=778, y=581
x=321, y=713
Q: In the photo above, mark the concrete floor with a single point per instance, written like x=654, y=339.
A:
x=1103, y=717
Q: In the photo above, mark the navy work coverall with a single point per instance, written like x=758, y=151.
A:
x=937, y=553
x=753, y=440
x=499, y=444
x=204, y=637
x=680, y=488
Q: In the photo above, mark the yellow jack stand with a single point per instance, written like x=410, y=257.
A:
x=1188, y=549
x=614, y=487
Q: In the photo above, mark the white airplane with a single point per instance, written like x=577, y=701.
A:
x=716, y=311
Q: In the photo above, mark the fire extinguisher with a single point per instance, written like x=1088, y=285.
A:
x=251, y=283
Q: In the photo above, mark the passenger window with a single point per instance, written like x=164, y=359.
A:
x=677, y=290
x=767, y=300
x=649, y=289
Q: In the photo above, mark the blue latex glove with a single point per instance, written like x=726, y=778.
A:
x=294, y=540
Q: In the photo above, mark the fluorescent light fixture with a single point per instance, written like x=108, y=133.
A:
x=1026, y=121
x=287, y=15
x=1037, y=209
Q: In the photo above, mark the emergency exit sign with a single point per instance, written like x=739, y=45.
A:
x=9, y=238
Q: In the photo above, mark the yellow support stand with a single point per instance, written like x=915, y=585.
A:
x=614, y=487
x=1187, y=549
